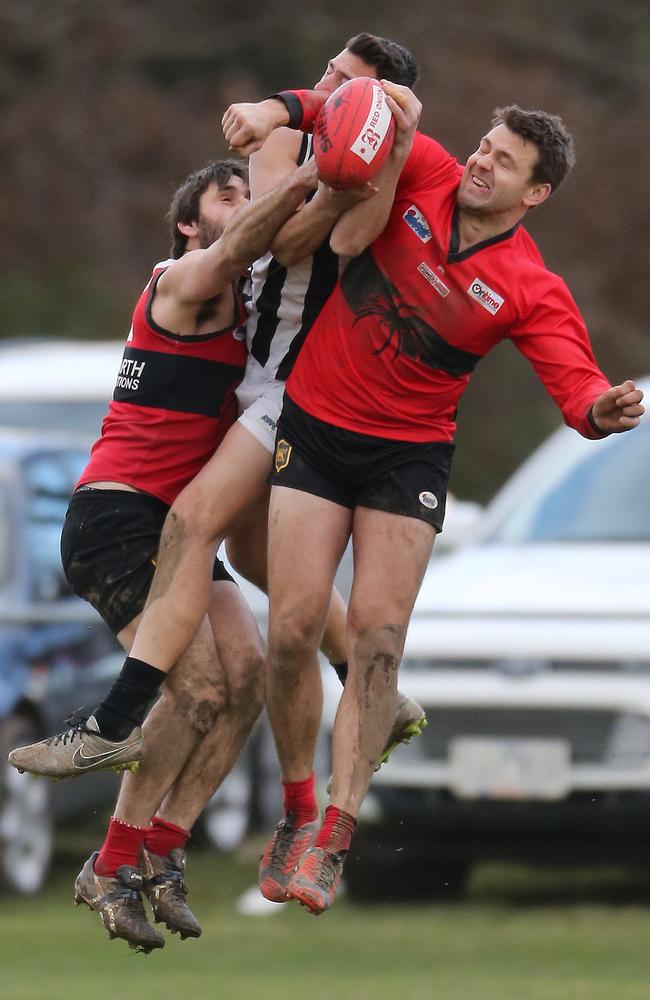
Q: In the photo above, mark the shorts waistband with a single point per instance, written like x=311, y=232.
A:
x=126, y=496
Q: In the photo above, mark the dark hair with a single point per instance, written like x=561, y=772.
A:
x=185, y=203
x=554, y=143
x=391, y=61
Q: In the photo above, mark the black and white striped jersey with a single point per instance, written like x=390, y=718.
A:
x=283, y=304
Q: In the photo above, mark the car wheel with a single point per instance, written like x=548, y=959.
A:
x=26, y=829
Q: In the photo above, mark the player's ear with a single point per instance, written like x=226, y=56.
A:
x=188, y=228
x=537, y=194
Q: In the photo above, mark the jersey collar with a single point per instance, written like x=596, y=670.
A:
x=455, y=255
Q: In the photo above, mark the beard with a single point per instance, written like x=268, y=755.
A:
x=208, y=233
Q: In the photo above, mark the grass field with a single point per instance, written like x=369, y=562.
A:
x=518, y=935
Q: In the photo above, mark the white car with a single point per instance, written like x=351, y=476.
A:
x=57, y=384
x=530, y=651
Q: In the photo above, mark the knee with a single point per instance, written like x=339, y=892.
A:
x=291, y=639
x=188, y=523
x=198, y=701
x=376, y=649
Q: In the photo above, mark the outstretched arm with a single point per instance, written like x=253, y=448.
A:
x=361, y=225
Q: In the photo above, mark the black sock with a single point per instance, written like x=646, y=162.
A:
x=127, y=702
x=341, y=671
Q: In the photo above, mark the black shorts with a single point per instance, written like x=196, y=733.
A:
x=357, y=470
x=109, y=546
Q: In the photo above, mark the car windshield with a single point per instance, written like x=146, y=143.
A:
x=84, y=416
x=599, y=493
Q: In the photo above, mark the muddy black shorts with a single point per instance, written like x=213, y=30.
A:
x=357, y=470
x=109, y=546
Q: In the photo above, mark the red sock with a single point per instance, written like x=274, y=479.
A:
x=121, y=847
x=336, y=832
x=162, y=837
x=299, y=799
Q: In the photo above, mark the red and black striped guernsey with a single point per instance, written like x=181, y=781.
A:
x=174, y=401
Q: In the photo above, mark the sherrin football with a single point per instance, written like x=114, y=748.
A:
x=353, y=134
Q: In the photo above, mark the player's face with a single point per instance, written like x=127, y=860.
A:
x=217, y=207
x=343, y=67
x=498, y=176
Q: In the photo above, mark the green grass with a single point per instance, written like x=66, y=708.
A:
x=517, y=936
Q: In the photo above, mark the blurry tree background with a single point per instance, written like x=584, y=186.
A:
x=106, y=107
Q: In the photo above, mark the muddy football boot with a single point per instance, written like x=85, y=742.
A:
x=79, y=750
x=410, y=720
x=316, y=879
x=164, y=887
x=283, y=852
x=118, y=901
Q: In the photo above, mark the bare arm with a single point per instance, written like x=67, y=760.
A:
x=277, y=158
x=304, y=232
x=363, y=223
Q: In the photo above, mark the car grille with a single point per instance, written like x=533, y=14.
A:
x=595, y=737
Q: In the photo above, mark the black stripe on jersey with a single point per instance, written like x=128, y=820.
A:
x=305, y=148
x=175, y=382
x=368, y=292
x=268, y=305
x=324, y=276
x=268, y=302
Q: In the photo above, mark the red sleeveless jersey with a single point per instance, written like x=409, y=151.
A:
x=174, y=400
x=394, y=347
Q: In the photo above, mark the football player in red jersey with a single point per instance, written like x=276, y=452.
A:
x=441, y=270
x=173, y=403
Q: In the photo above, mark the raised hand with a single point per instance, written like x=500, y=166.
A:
x=246, y=127
x=406, y=110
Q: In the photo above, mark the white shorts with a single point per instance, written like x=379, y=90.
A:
x=259, y=409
